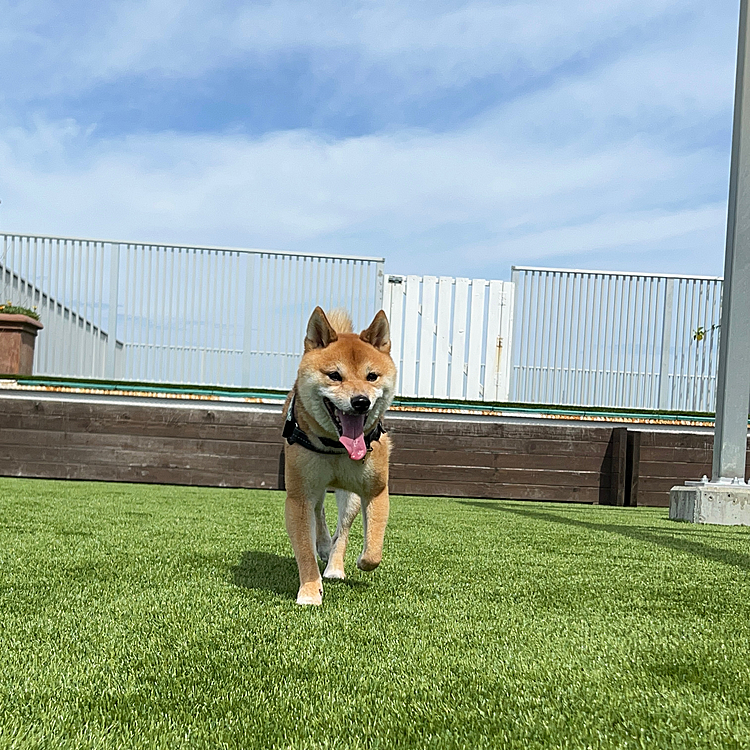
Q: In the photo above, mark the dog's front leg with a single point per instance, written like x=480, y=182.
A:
x=374, y=520
x=299, y=513
x=322, y=533
x=348, y=507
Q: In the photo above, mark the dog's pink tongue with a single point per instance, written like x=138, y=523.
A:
x=353, y=437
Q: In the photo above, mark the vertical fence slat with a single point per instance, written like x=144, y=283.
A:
x=443, y=336
x=474, y=357
x=458, y=339
x=410, y=352
x=427, y=336
x=493, y=345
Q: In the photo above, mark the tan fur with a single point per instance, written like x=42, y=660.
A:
x=359, y=484
x=340, y=320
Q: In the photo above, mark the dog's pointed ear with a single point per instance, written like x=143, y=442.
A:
x=378, y=333
x=320, y=333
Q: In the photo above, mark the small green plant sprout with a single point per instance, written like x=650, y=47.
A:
x=8, y=308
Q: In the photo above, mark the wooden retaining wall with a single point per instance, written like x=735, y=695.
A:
x=211, y=444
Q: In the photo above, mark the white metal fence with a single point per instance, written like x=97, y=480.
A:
x=451, y=337
x=178, y=314
x=599, y=338
x=203, y=315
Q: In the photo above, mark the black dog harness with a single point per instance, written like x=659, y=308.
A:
x=294, y=434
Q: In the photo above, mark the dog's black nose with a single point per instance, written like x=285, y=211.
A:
x=360, y=404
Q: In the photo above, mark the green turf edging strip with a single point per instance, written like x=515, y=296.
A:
x=151, y=388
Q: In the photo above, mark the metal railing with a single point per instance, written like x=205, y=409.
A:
x=178, y=313
x=600, y=338
x=223, y=316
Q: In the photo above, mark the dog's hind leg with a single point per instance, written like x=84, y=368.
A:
x=322, y=534
x=299, y=514
x=374, y=519
x=348, y=505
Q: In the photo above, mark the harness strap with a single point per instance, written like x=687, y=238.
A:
x=294, y=434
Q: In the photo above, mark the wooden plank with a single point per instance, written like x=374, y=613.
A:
x=560, y=433
x=481, y=490
x=668, y=453
x=489, y=459
x=498, y=475
x=652, y=484
x=443, y=342
x=458, y=339
x=143, y=456
x=247, y=425
x=476, y=329
x=97, y=472
x=411, y=325
x=658, y=499
x=677, y=470
x=427, y=336
x=15, y=439
x=147, y=411
x=500, y=444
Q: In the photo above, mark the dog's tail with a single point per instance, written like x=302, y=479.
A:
x=340, y=320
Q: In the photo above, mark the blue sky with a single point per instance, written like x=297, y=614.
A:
x=452, y=138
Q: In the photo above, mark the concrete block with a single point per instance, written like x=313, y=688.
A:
x=725, y=504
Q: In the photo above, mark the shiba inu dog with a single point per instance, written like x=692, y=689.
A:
x=344, y=385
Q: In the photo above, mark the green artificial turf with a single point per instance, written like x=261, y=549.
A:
x=148, y=616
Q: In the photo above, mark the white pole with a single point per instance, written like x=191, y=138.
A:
x=733, y=387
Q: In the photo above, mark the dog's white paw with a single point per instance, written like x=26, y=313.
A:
x=310, y=595
x=334, y=573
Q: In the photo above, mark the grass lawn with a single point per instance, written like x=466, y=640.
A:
x=147, y=616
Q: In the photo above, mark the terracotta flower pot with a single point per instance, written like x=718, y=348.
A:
x=17, y=339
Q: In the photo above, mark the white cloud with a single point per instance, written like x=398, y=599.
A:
x=425, y=44
x=298, y=191
x=619, y=231
x=592, y=162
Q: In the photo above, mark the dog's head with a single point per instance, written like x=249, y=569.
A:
x=346, y=381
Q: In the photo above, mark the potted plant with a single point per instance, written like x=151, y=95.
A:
x=18, y=329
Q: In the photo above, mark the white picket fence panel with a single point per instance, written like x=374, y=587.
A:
x=451, y=337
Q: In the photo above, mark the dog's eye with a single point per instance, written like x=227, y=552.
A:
x=335, y=376
x=372, y=376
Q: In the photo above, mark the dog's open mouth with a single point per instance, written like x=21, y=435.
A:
x=351, y=429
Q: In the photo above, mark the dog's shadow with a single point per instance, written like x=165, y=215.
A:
x=264, y=571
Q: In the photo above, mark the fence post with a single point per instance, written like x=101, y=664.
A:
x=380, y=290
x=110, y=371
x=666, y=340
